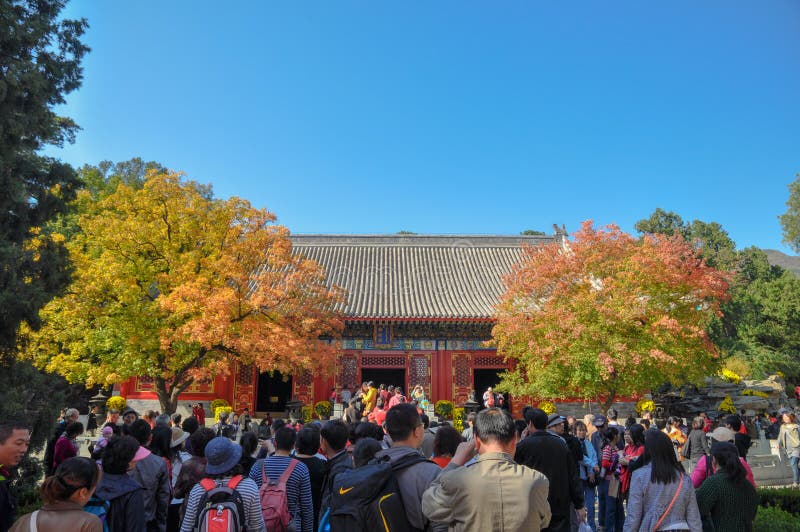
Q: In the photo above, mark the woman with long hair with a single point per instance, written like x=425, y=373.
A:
x=789, y=443
x=64, y=495
x=726, y=498
x=609, y=487
x=631, y=454
x=661, y=495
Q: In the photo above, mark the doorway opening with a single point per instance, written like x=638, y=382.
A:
x=387, y=376
x=273, y=392
x=482, y=379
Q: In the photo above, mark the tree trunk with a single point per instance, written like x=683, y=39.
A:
x=168, y=395
x=606, y=402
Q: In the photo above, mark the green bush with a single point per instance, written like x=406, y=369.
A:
x=787, y=499
x=773, y=519
x=221, y=409
x=458, y=419
x=116, y=402
x=307, y=413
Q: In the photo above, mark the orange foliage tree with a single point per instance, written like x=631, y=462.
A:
x=174, y=284
x=607, y=315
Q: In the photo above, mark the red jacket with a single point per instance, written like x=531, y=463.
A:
x=65, y=448
x=200, y=414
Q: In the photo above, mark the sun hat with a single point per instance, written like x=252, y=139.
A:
x=599, y=420
x=722, y=434
x=554, y=420
x=221, y=455
x=178, y=436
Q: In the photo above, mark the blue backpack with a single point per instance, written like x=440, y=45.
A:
x=99, y=507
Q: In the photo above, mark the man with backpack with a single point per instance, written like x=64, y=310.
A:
x=224, y=500
x=333, y=443
x=494, y=493
x=284, y=487
x=407, y=432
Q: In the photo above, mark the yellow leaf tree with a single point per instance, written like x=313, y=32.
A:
x=174, y=284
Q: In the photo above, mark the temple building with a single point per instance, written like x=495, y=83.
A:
x=419, y=310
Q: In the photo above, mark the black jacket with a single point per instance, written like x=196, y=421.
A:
x=548, y=453
x=7, y=503
x=126, y=499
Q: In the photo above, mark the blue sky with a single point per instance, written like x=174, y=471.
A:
x=455, y=117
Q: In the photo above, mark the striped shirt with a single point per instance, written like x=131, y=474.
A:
x=298, y=488
x=253, y=520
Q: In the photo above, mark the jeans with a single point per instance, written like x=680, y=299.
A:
x=794, y=461
x=611, y=510
x=588, y=495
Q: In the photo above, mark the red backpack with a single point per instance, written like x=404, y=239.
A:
x=274, y=503
x=221, y=509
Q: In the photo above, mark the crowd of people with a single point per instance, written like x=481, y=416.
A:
x=387, y=461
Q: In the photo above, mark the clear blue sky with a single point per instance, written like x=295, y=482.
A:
x=455, y=116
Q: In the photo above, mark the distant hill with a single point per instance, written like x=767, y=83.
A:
x=788, y=262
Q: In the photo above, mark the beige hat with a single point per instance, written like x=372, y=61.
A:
x=722, y=434
x=178, y=436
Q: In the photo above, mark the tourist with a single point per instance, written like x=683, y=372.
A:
x=124, y=495
x=333, y=443
x=199, y=414
x=558, y=425
x=129, y=415
x=194, y=468
x=364, y=451
x=704, y=468
x=467, y=433
x=661, y=495
x=789, y=443
x=631, y=455
x=397, y=398
x=588, y=470
x=100, y=444
x=426, y=448
x=15, y=438
x=613, y=416
x=488, y=398
x=405, y=428
x=673, y=430
x=370, y=397
x=298, y=485
x=249, y=443
x=177, y=456
x=306, y=447
x=163, y=420
x=67, y=445
x=445, y=444
x=741, y=440
x=726, y=496
x=112, y=417
x=611, y=509
x=91, y=421
x=152, y=474
x=223, y=428
x=418, y=395
x=70, y=416
x=150, y=416
x=388, y=395
x=548, y=453
x=696, y=445
x=378, y=415
x=175, y=420
x=708, y=424
x=351, y=413
x=222, y=464
x=64, y=494
x=494, y=493
x=346, y=395
x=246, y=420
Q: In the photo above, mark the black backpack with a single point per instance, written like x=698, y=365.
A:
x=364, y=497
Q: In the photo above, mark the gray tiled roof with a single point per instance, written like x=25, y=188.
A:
x=416, y=276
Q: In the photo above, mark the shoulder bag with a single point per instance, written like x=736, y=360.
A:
x=671, y=504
